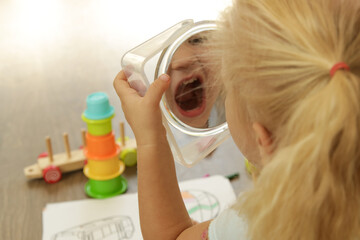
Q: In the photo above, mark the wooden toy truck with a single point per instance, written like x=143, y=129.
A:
x=50, y=167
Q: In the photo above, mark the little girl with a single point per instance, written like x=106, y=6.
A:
x=291, y=69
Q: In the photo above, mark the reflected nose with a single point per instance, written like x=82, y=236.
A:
x=184, y=59
x=185, y=63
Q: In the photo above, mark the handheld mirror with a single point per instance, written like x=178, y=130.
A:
x=193, y=107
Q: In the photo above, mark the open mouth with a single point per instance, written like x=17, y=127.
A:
x=190, y=97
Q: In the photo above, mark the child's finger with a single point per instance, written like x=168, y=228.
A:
x=121, y=75
x=120, y=84
x=157, y=88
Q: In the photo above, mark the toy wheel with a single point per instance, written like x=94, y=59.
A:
x=52, y=174
x=42, y=155
x=129, y=156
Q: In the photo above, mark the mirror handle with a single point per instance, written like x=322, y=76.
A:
x=133, y=61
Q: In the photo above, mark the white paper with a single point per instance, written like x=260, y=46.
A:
x=118, y=217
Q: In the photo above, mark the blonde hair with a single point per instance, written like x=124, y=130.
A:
x=276, y=56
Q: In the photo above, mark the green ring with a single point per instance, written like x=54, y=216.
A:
x=100, y=195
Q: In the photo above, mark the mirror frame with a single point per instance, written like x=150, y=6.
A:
x=203, y=140
x=162, y=67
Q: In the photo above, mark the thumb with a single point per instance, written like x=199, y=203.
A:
x=157, y=88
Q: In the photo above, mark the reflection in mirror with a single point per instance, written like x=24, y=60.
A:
x=194, y=96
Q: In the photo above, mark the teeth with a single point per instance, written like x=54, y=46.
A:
x=190, y=81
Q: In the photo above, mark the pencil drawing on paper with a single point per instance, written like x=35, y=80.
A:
x=112, y=228
x=201, y=205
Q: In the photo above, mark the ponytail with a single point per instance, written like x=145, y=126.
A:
x=276, y=56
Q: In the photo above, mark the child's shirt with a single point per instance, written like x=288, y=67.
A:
x=228, y=225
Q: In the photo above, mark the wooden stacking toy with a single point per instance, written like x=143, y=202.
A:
x=99, y=157
x=128, y=152
x=50, y=167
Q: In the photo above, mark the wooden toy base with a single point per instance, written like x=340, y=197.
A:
x=130, y=143
x=75, y=162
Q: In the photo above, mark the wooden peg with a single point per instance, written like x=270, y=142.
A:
x=122, y=133
x=49, y=149
x=83, y=135
x=67, y=145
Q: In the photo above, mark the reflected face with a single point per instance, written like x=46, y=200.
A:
x=193, y=91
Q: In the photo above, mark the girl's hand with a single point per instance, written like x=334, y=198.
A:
x=143, y=113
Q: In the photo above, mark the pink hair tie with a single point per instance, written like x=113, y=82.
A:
x=337, y=66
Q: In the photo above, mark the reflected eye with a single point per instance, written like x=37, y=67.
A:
x=197, y=40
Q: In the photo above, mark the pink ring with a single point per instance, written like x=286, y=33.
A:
x=337, y=66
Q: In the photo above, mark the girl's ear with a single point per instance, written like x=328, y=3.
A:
x=263, y=139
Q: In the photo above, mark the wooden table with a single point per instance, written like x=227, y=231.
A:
x=50, y=61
